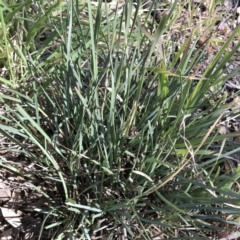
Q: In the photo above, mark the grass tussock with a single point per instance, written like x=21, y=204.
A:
x=122, y=113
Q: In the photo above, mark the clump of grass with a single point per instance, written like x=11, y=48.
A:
x=127, y=132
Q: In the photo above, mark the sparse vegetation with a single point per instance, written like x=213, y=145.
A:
x=116, y=121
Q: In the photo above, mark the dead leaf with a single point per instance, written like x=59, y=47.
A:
x=233, y=235
x=11, y=217
x=5, y=193
x=222, y=129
